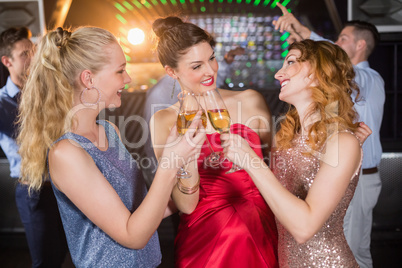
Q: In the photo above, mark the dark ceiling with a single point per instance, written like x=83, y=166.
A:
x=102, y=13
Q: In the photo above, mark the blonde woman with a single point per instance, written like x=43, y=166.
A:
x=109, y=218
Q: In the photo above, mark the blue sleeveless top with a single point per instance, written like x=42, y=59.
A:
x=89, y=246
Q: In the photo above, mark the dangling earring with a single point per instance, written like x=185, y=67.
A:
x=173, y=89
x=88, y=103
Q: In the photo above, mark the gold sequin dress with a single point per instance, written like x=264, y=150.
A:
x=328, y=247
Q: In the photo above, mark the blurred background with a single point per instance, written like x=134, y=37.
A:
x=246, y=23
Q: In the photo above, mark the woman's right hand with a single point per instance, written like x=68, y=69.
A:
x=182, y=149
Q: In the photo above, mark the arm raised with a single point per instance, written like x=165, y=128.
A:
x=304, y=218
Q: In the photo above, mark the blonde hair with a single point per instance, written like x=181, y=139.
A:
x=48, y=94
x=332, y=100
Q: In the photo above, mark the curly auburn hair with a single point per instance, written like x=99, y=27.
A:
x=334, y=73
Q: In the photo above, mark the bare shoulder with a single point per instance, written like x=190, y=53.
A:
x=248, y=97
x=65, y=150
x=164, y=117
x=241, y=95
x=345, y=140
x=343, y=147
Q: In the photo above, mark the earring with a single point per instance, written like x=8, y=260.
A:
x=88, y=103
x=173, y=89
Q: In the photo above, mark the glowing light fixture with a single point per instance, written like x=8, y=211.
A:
x=285, y=36
x=121, y=19
x=273, y=5
x=136, y=36
x=266, y=2
x=285, y=45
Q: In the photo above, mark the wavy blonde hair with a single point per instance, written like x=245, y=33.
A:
x=48, y=95
x=334, y=73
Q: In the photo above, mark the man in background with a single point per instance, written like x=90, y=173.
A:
x=38, y=210
x=358, y=39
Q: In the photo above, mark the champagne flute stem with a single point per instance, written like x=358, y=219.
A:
x=234, y=167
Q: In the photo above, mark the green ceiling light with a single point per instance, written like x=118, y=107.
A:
x=153, y=81
x=173, y=2
x=120, y=8
x=137, y=4
x=248, y=64
x=128, y=6
x=211, y=1
x=266, y=2
x=147, y=5
x=248, y=1
x=285, y=2
x=285, y=45
x=230, y=1
x=285, y=36
x=257, y=2
x=123, y=31
x=203, y=9
x=124, y=40
x=155, y=2
x=192, y=1
x=238, y=1
x=273, y=5
x=202, y=1
x=128, y=58
x=121, y=19
x=163, y=2
x=220, y=1
x=182, y=2
x=284, y=53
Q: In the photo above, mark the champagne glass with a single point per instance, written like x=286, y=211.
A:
x=189, y=107
x=214, y=159
x=218, y=116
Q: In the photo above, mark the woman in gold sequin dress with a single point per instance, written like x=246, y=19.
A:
x=316, y=163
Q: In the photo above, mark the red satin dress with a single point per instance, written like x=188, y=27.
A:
x=232, y=226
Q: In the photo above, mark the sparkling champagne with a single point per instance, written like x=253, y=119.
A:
x=184, y=120
x=220, y=120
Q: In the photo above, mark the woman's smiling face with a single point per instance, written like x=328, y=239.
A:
x=197, y=69
x=295, y=78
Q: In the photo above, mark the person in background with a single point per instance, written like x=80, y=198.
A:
x=4, y=74
x=358, y=39
x=317, y=157
x=38, y=210
x=224, y=220
x=109, y=218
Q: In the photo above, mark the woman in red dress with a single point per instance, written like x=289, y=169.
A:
x=224, y=222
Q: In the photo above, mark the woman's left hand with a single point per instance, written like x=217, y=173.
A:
x=237, y=150
x=362, y=132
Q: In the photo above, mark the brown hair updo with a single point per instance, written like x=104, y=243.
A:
x=175, y=37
